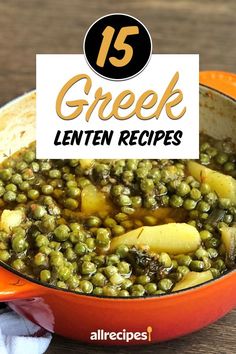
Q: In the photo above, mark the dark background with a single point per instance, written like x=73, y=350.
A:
x=206, y=27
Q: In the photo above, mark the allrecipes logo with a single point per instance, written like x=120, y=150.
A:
x=124, y=335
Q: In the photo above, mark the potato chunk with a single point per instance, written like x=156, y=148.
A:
x=93, y=200
x=173, y=238
x=223, y=185
x=10, y=219
x=193, y=279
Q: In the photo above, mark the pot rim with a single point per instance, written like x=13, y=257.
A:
x=130, y=298
x=149, y=297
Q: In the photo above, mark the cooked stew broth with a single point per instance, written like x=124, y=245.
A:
x=121, y=227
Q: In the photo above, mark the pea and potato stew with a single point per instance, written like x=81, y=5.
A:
x=121, y=227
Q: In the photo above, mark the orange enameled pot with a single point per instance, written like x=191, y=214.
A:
x=76, y=316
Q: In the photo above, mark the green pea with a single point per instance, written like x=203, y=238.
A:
x=184, y=260
x=38, y=211
x=4, y=255
x=45, y=249
x=34, y=166
x=86, y=286
x=118, y=230
x=229, y=166
x=204, y=158
x=142, y=279
x=93, y=221
x=150, y=220
x=150, y=202
x=195, y=194
x=136, y=202
x=29, y=156
x=165, y=260
x=21, y=198
x=62, y=285
x=110, y=290
x=71, y=203
x=124, y=200
x=150, y=288
x=47, y=189
x=62, y=232
x=33, y=194
x=109, y=222
x=19, y=265
x=5, y=174
x=40, y=259
x=219, y=264
x=110, y=270
x=56, y=259
x=41, y=240
x=98, y=279
x=165, y=284
x=54, y=173
x=203, y=206
x=19, y=244
x=127, y=283
x=183, y=270
x=183, y=189
x=97, y=291
x=197, y=266
x=80, y=248
x=122, y=251
x=112, y=259
x=16, y=179
x=205, y=188
x=159, y=292
x=88, y=268
x=201, y=253
x=11, y=187
x=212, y=243
x=137, y=290
x=147, y=185
x=127, y=177
x=123, y=293
x=189, y=204
x=102, y=237
x=215, y=272
x=73, y=192
x=73, y=282
x=221, y=158
x=90, y=242
x=9, y=196
x=64, y=273
x=45, y=276
x=116, y=279
x=176, y=201
x=212, y=253
x=123, y=268
x=205, y=235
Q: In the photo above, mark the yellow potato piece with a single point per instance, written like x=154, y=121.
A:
x=193, y=279
x=173, y=238
x=93, y=201
x=223, y=185
x=10, y=219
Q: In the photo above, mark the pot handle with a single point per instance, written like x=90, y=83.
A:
x=220, y=80
x=14, y=287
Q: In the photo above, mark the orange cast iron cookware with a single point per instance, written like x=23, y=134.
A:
x=76, y=315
